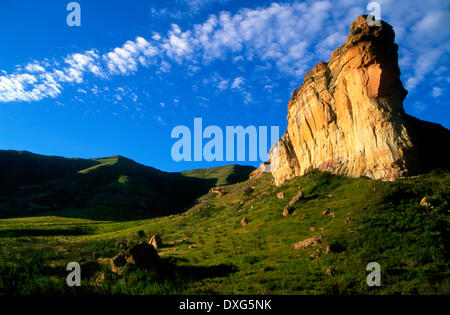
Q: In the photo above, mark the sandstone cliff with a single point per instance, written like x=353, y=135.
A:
x=348, y=118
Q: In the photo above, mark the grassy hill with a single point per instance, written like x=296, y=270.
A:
x=31, y=184
x=224, y=175
x=206, y=249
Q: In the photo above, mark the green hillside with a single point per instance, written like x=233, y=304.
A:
x=224, y=175
x=206, y=249
x=32, y=184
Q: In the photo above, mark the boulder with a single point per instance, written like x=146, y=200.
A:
x=156, y=241
x=280, y=195
x=118, y=263
x=309, y=242
x=328, y=212
x=426, y=202
x=287, y=211
x=143, y=255
x=244, y=221
x=297, y=197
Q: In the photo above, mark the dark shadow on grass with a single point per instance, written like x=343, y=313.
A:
x=203, y=272
x=41, y=232
x=311, y=197
x=170, y=270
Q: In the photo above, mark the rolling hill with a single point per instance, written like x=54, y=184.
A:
x=32, y=183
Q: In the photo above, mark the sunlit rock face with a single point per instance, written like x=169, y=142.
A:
x=347, y=117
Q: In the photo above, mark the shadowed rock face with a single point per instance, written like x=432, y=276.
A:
x=348, y=118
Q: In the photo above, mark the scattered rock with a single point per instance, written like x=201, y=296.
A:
x=309, y=242
x=330, y=196
x=315, y=254
x=244, y=221
x=156, y=241
x=220, y=191
x=280, y=195
x=287, y=211
x=118, y=263
x=296, y=198
x=426, y=202
x=330, y=272
x=328, y=212
x=249, y=190
x=312, y=228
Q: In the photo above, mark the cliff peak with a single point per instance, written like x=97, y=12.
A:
x=347, y=117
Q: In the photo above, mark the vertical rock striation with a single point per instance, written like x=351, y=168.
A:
x=348, y=118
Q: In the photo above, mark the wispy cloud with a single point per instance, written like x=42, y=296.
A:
x=436, y=91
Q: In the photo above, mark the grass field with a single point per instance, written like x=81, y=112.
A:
x=371, y=221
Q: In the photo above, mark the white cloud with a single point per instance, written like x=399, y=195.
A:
x=35, y=82
x=422, y=33
x=419, y=107
x=26, y=87
x=34, y=67
x=436, y=91
x=125, y=60
x=237, y=83
x=223, y=85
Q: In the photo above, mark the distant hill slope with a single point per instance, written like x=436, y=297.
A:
x=19, y=168
x=225, y=175
x=33, y=183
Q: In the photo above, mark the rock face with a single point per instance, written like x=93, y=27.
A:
x=156, y=241
x=348, y=118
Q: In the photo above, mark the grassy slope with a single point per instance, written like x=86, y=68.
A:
x=224, y=175
x=131, y=189
x=374, y=221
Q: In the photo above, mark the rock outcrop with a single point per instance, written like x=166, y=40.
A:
x=156, y=241
x=140, y=255
x=348, y=118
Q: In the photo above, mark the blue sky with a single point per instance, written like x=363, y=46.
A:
x=134, y=69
